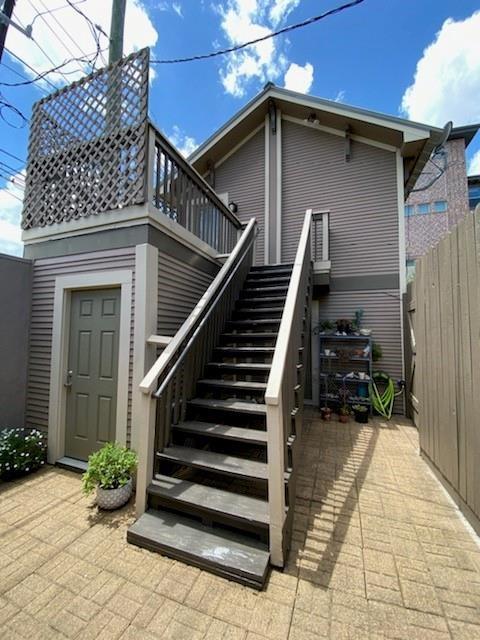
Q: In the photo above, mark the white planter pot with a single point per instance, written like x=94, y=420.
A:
x=114, y=498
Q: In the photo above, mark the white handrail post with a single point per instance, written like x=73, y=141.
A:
x=325, y=236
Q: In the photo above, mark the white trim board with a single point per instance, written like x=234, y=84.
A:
x=266, y=212
x=278, y=184
x=64, y=285
x=340, y=134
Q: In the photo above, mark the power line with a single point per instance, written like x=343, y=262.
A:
x=10, y=168
x=65, y=46
x=14, y=195
x=64, y=6
x=5, y=104
x=18, y=185
x=7, y=153
x=287, y=29
x=21, y=75
x=14, y=55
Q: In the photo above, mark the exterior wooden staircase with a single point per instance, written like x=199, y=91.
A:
x=209, y=499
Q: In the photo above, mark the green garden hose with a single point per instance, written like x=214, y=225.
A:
x=382, y=402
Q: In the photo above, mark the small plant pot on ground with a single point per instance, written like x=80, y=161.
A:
x=361, y=413
x=344, y=416
x=326, y=413
x=110, y=472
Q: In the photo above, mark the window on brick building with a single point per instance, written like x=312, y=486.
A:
x=440, y=206
x=423, y=208
x=409, y=209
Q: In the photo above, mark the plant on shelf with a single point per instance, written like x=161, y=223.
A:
x=21, y=451
x=377, y=352
x=326, y=327
x=357, y=321
x=344, y=326
x=361, y=413
x=344, y=411
x=110, y=472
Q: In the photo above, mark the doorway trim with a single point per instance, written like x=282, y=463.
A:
x=64, y=285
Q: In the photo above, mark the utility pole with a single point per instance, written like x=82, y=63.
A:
x=117, y=25
x=6, y=12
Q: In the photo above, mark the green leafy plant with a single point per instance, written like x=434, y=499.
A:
x=377, y=352
x=359, y=408
x=21, y=451
x=326, y=325
x=357, y=320
x=109, y=468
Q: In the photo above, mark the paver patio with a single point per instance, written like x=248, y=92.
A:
x=379, y=552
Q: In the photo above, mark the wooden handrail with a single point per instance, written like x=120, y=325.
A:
x=172, y=351
x=195, y=176
x=279, y=362
x=281, y=396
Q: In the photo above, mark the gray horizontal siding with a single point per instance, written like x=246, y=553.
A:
x=242, y=175
x=381, y=315
x=361, y=195
x=45, y=271
x=180, y=287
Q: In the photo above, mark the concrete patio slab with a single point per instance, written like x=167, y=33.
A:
x=379, y=551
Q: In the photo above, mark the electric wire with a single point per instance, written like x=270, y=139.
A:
x=286, y=29
x=13, y=156
x=13, y=195
x=12, y=169
x=52, y=30
x=64, y=6
x=27, y=81
x=21, y=75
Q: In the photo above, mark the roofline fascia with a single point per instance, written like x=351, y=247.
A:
x=410, y=128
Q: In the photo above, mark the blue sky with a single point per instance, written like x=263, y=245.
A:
x=415, y=58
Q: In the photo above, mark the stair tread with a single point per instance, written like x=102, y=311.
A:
x=219, y=462
x=234, y=384
x=254, y=321
x=259, y=309
x=262, y=300
x=253, y=436
x=261, y=366
x=271, y=267
x=267, y=335
x=235, y=505
x=252, y=289
x=229, y=554
x=247, y=349
x=230, y=405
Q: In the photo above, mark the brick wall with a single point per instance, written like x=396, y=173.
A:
x=425, y=230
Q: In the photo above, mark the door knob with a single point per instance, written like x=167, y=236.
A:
x=68, y=378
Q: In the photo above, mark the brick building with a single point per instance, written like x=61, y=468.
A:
x=431, y=212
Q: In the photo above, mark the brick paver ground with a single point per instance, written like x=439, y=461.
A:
x=379, y=552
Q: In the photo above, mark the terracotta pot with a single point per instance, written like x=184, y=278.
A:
x=114, y=498
x=342, y=418
x=326, y=413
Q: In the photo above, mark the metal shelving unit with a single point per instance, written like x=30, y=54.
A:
x=345, y=370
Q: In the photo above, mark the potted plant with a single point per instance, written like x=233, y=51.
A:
x=361, y=413
x=344, y=410
x=326, y=413
x=377, y=352
x=343, y=414
x=326, y=327
x=344, y=326
x=110, y=472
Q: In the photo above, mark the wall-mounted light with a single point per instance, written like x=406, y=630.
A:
x=312, y=118
x=233, y=206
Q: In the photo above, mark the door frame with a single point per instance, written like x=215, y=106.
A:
x=64, y=285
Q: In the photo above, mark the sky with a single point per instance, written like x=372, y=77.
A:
x=418, y=59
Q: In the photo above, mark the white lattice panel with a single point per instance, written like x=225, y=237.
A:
x=88, y=144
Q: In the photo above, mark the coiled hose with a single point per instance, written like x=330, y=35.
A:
x=382, y=402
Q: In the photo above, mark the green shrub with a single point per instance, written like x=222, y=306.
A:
x=21, y=451
x=110, y=468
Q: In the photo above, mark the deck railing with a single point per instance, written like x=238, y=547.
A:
x=284, y=394
x=321, y=236
x=180, y=192
x=171, y=380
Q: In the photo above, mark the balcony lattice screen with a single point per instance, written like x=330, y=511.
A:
x=88, y=145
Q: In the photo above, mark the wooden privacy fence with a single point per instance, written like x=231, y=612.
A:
x=443, y=337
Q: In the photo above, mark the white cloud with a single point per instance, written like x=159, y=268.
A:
x=446, y=85
x=184, y=143
x=474, y=165
x=245, y=20
x=139, y=33
x=171, y=6
x=178, y=9
x=340, y=97
x=298, y=78
x=10, y=213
